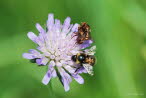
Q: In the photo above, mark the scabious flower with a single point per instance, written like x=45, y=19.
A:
x=56, y=45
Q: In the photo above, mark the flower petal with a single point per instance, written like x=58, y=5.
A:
x=50, y=22
x=66, y=86
x=54, y=74
x=75, y=28
x=28, y=56
x=42, y=33
x=39, y=61
x=35, y=53
x=86, y=44
x=45, y=60
x=81, y=70
x=66, y=25
x=69, y=69
x=78, y=78
x=66, y=78
x=48, y=75
x=52, y=63
x=42, y=61
x=58, y=64
x=32, y=36
x=40, y=29
x=57, y=26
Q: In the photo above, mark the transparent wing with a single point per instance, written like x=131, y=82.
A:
x=90, y=51
x=88, y=68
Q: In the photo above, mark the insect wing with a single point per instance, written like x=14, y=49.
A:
x=88, y=68
x=90, y=51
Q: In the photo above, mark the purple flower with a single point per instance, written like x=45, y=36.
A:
x=55, y=48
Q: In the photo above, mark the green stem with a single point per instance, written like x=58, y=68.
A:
x=51, y=92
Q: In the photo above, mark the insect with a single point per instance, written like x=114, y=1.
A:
x=35, y=61
x=83, y=33
x=87, y=61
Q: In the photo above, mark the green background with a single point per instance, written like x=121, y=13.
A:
x=118, y=29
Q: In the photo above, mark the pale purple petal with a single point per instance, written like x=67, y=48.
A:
x=54, y=74
x=75, y=28
x=86, y=44
x=47, y=54
x=78, y=78
x=52, y=63
x=58, y=64
x=38, y=48
x=40, y=29
x=32, y=36
x=28, y=56
x=47, y=77
x=70, y=69
x=81, y=70
x=51, y=73
x=42, y=61
x=66, y=25
x=42, y=49
x=45, y=60
x=42, y=33
x=66, y=79
x=66, y=86
x=57, y=26
x=70, y=27
x=39, y=61
x=50, y=22
x=41, y=39
x=32, y=55
x=35, y=53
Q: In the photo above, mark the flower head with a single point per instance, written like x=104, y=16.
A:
x=55, y=49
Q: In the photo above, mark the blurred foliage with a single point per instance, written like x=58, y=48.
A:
x=118, y=28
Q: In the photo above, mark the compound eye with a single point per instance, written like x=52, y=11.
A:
x=81, y=58
x=74, y=57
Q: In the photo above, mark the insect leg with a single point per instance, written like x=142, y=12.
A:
x=78, y=68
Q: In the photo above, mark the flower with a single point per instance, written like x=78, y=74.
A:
x=55, y=49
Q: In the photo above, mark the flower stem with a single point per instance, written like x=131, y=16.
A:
x=51, y=93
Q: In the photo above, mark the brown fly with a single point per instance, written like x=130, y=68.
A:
x=83, y=33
